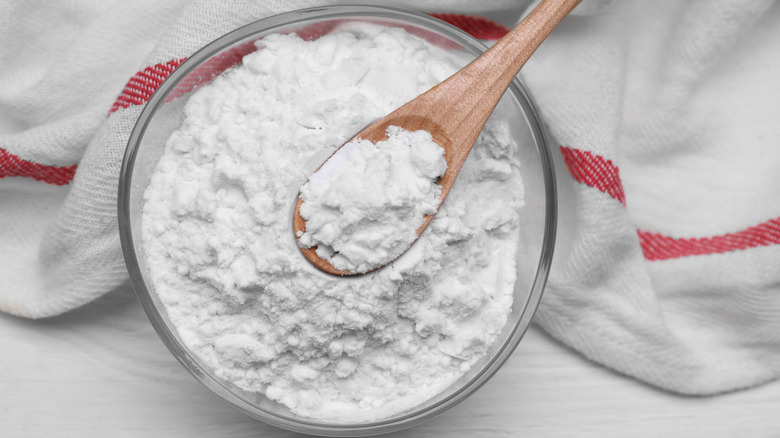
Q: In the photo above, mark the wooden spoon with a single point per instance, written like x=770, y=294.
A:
x=455, y=111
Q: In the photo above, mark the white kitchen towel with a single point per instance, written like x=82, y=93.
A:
x=666, y=266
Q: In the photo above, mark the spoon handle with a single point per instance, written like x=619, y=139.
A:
x=462, y=103
x=508, y=55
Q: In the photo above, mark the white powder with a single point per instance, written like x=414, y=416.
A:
x=217, y=232
x=364, y=205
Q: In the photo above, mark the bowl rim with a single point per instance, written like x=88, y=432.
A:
x=169, y=338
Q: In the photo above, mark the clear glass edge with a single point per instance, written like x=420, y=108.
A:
x=181, y=354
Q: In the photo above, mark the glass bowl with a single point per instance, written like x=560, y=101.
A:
x=163, y=114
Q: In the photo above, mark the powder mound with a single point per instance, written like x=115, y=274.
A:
x=222, y=259
x=364, y=205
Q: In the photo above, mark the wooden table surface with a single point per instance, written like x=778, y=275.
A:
x=101, y=371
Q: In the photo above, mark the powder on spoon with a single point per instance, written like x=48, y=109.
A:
x=364, y=205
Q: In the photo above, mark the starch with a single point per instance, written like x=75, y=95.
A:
x=224, y=262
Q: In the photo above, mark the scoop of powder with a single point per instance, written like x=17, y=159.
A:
x=364, y=205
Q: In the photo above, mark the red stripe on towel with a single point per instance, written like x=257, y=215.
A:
x=659, y=247
x=12, y=165
x=600, y=173
x=142, y=85
x=595, y=171
x=476, y=26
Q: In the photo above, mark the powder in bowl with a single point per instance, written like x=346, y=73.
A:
x=216, y=231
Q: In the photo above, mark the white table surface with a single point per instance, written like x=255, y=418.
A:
x=101, y=371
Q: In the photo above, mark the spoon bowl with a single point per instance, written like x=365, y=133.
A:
x=374, y=133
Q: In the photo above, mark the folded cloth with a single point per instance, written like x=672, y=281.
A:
x=665, y=267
